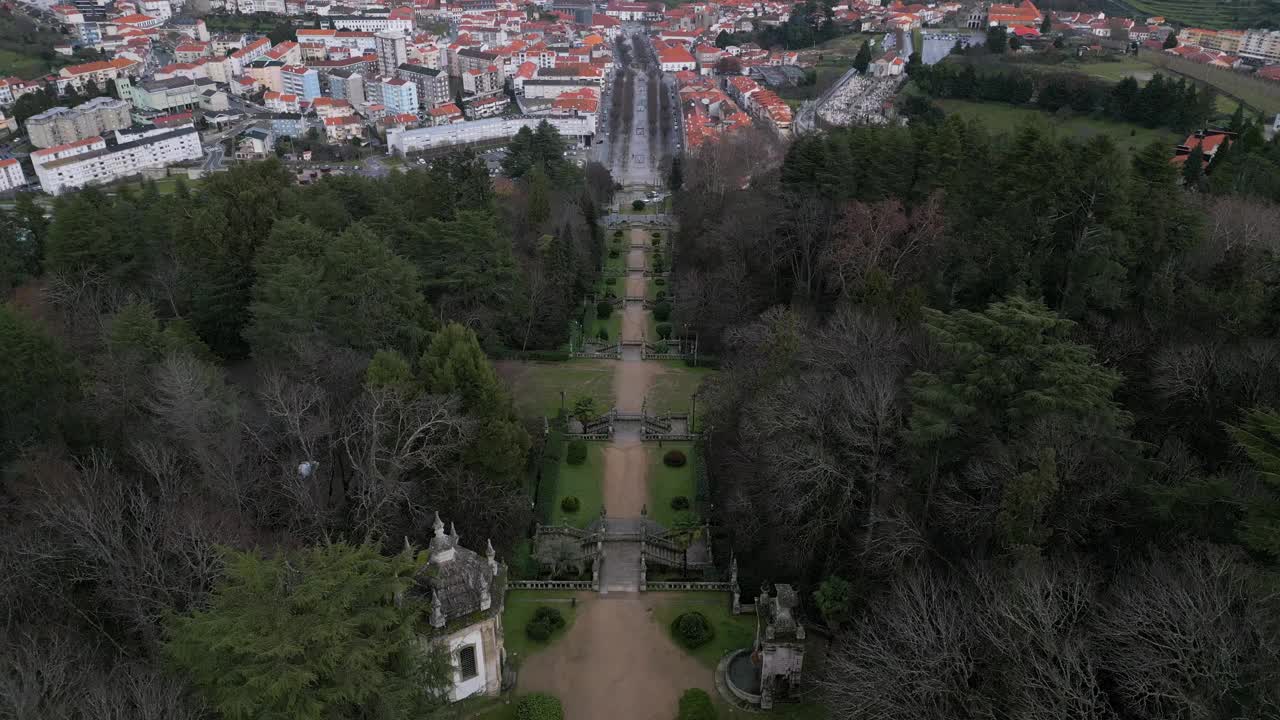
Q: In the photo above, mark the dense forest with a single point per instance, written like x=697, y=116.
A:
x=255, y=364
x=985, y=398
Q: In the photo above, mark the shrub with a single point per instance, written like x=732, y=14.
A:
x=577, y=453
x=617, y=233
x=656, y=235
x=538, y=631
x=613, y=253
x=673, y=458
x=662, y=311
x=611, y=281
x=570, y=503
x=660, y=295
x=551, y=616
x=604, y=309
x=693, y=630
x=679, y=502
x=637, y=205
x=603, y=334
x=695, y=704
x=539, y=706
x=660, y=281
x=664, y=330
x=661, y=347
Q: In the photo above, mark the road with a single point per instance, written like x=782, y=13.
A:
x=633, y=143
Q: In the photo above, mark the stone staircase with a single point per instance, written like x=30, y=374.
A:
x=621, y=569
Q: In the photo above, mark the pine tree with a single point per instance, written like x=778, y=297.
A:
x=36, y=380
x=1171, y=41
x=1193, y=169
x=539, y=188
x=314, y=634
x=1259, y=436
x=1046, y=26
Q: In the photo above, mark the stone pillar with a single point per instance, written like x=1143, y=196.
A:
x=644, y=582
x=595, y=572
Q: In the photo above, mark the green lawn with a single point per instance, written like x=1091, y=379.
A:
x=1215, y=14
x=999, y=117
x=583, y=482
x=518, y=611
x=536, y=386
x=732, y=631
x=666, y=483
x=673, y=390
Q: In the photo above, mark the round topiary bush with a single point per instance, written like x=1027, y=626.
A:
x=538, y=631
x=664, y=330
x=693, y=630
x=660, y=295
x=611, y=281
x=656, y=235
x=661, y=347
x=662, y=311
x=613, y=253
x=674, y=458
x=679, y=502
x=604, y=310
x=539, y=706
x=637, y=205
x=695, y=704
x=551, y=616
x=603, y=334
x=660, y=281
x=577, y=452
x=617, y=233
x=570, y=504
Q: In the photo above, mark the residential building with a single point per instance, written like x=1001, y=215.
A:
x=301, y=81
x=458, y=134
x=290, y=124
x=342, y=129
x=347, y=85
x=1261, y=45
x=92, y=161
x=11, y=177
x=60, y=125
x=392, y=51
x=99, y=73
x=482, y=82
x=267, y=72
x=164, y=96
x=256, y=143
x=445, y=114
x=399, y=96
x=432, y=83
x=484, y=107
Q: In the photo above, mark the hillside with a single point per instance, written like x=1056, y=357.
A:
x=1211, y=13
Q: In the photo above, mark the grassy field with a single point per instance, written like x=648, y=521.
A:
x=583, y=482
x=732, y=631
x=536, y=386
x=673, y=390
x=999, y=117
x=518, y=611
x=666, y=483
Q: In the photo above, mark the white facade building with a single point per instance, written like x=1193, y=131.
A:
x=93, y=162
x=405, y=142
x=11, y=176
x=392, y=51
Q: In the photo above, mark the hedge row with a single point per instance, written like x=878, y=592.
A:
x=552, y=451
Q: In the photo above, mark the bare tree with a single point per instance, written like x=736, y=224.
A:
x=1188, y=634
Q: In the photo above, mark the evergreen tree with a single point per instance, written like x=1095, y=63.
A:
x=862, y=60
x=37, y=380
x=675, y=180
x=1193, y=169
x=1046, y=25
x=539, y=189
x=1259, y=436
x=314, y=634
x=1171, y=41
x=997, y=39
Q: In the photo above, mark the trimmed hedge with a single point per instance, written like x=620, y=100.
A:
x=552, y=451
x=679, y=502
x=674, y=458
x=604, y=309
x=577, y=453
x=664, y=330
x=539, y=706
x=546, y=620
x=570, y=504
x=662, y=311
x=693, y=630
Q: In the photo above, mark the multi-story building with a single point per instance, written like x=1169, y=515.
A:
x=341, y=129
x=11, y=177
x=1261, y=45
x=241, y=58
x=392, y=51
x=60, y=125
x=485, y=107
x=375, y=21
x=301, y=80
x=267, y=72
x=99, y=73
x=486, y=81
x=433, y=84
x=164, y=96
x=1227, y=41
x=92, y=161
x=399, y=96
x=346, y=85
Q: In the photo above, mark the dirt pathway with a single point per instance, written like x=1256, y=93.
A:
x=616, y=663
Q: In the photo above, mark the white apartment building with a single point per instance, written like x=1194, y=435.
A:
x=1261, y=45
x=93, y=162
x=392, y=48
x=11, y=177
x=466, y=133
